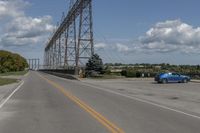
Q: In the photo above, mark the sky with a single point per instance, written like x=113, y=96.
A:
x=125, y=31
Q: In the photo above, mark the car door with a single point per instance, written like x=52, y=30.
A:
x=170, y=77
x=175, y=77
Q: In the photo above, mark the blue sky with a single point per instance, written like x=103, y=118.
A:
x=127, y=31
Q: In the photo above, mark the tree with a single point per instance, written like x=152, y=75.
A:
x=11, y=62
x=95, y=63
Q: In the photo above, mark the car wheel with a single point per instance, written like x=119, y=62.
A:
x=164, y=81
x=185, y=81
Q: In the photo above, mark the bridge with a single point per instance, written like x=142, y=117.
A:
x=34, y=64
x=71, y=45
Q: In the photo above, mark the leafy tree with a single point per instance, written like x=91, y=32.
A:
x=95, y=63
x=11, y=62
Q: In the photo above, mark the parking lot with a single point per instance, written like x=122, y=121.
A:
x=181, y=96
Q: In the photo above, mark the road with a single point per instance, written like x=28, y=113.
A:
x=48, y=104
x=185, y=97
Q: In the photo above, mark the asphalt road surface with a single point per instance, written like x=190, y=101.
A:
x=48, y=104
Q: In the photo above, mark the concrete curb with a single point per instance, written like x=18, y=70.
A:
x=195, y=81
x=62, y=75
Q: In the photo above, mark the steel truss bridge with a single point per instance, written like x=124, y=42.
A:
x=71, y=45
x=34, y=64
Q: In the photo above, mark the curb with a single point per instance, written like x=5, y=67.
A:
x=195, y=81
x=62, y=75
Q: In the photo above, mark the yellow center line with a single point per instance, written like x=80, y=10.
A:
x=109, y=125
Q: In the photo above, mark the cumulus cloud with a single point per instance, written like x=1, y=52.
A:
x=21, y=29
x=12, y=8
x=164, y=37
x=122, y=48
x=100, y=46
x=172, y=35
x=115, y=46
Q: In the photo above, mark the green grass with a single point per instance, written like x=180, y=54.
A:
x=5, y=81
x=107, y=77
x=14, y=73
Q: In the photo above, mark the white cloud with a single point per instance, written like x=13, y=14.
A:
x=100, y=45
x=19, y=28
x=12, y=8
x=169, y=36
x=164, y=37
x=122, y=48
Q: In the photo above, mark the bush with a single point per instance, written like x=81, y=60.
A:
x=130, y=73
x=106, y=71
x=124, y=72
x=137, y=74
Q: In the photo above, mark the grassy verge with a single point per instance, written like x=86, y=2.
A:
x=5, y=81
x=107, y=77
x=14, y=73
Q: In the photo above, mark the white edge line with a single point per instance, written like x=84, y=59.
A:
x=4, y=102
x=134, y=98
x=144, y=101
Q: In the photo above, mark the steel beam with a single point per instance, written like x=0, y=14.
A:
x=77, y=30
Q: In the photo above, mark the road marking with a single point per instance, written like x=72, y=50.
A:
x=4, y=102
x=109, y=125
x=134, y=98
x=144, y=101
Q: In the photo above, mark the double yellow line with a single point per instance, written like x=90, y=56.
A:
x=109, y=125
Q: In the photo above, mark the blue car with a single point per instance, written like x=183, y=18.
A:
x=171, y=77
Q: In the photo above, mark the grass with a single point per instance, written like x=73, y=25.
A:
x=107, y=77
x=14, y=73
x=5, y=81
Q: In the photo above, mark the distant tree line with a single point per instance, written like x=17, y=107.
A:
x=10, y=62
x=95, y=67
x=150, y=70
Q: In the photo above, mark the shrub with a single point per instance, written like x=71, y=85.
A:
x=124, y=73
